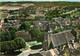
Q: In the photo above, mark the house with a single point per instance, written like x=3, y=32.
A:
x=40, y=24
x=78, y=32
x=68, y=22
x=25, y=35
x=14, y=21
x=11, y=21
x=26, y=22
x=31, y=17
x=76, y=45
x=51, y=52
x=57, y=18
x=5, y=26
x=38, y=15
x=16, y=25
x=41, y=15
x=57, y=39
x=1, y=20
x=76, y=22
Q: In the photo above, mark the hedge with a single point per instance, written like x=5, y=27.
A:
x=8, y=46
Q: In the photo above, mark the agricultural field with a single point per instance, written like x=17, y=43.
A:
x=46, y=4
x=9, y=8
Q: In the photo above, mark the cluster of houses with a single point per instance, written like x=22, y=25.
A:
x=53, y=43
x=66, y=21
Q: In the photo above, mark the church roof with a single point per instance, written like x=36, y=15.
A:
x=58, y=39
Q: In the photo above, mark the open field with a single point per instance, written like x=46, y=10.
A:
x=46, y=4
x=65, y=5
x=14, y=6
x=9, y=8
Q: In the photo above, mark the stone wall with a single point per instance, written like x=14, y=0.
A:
x=24, y=35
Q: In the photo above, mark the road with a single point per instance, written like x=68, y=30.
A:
x=76, y=9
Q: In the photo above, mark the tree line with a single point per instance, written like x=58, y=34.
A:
x=10, y=42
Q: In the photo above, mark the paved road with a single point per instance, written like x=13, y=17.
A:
x=72, y=11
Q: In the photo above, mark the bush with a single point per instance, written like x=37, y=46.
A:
x=12, y=29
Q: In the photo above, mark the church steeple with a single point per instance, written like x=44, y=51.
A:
x=48, y=30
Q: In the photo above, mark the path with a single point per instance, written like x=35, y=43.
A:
x=29, y=51
x=28, y=45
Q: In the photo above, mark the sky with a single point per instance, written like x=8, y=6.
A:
x=37, y=0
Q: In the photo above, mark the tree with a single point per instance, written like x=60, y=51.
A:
x=78, y=27
x=13, y=35
x=10, y=42
x=12, y=29
x=34, y=32
x=37, y=34
x=10, y=46
x=65, y=15
x=5, y=20
x=53, y=13
x=24, y=26
x=23, y=14
x=55, y=31
x=5, y=36
x=40, y=38
x=20, y=42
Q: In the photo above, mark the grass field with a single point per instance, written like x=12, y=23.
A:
x=32, y=43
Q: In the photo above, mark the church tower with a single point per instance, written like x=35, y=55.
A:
x=48, y=30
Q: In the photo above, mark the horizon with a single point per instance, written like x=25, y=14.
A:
x=39, y=0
